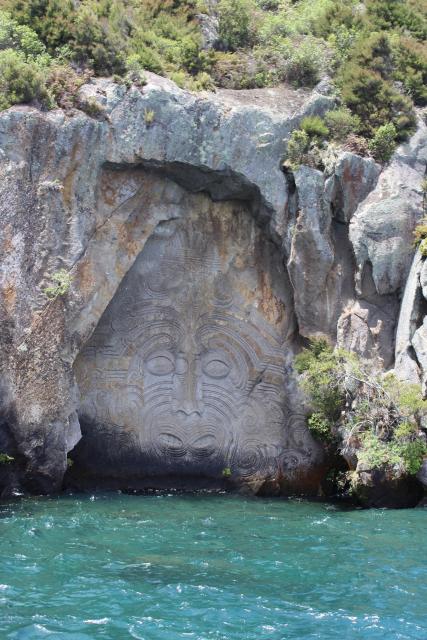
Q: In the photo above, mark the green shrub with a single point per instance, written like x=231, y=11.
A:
x=63, y=84
x=323, y=17
x=408, y=397
x=375, y=50
x=410, y=61
x=95, y=45
x=201, y=82
x=374, y=453
x=319, y=364
x=314, y=127
x=20, y=80
x=269, y=5
x=149, y=116
x=297, y=148
x=395, y=14
x=149, y=59
x=341, y=123
x=135, y=72
x=352, y=400
x=23, y=59
x=180, y=78
x=235, y=18
x=304, y=63
x=320, y=427
x=61, y=284
x=403, y=456
x=409, y=454
x=51, y=19
x=342, y=40
x=374, y=101
x=420, y=231
x=6, y=459
x=366, y=87
x=383, y=143
x=423, y=248
x=240, y=70
x=21, y=38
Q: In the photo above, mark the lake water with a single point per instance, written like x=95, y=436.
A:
x=200, y=567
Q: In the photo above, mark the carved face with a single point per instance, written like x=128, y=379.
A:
x=184, y=369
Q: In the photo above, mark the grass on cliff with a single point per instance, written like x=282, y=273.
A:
x=375, y=51
x=375, y=419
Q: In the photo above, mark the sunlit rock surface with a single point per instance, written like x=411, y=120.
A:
x=185, y=192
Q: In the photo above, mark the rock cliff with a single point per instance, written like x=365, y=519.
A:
x=196, y=269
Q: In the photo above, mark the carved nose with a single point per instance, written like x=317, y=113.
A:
x=189, y=408
x=188, y=388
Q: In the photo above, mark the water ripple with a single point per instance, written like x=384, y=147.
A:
x=209, y=568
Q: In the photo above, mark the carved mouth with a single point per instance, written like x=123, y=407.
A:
x=199, y=446
x=190, y=439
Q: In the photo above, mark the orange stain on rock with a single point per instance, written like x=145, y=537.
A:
x=9, y=295
x=85, y=278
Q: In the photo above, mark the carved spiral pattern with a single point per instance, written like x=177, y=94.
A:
x=180, y=373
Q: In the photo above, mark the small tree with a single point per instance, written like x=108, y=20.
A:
x=297, y=148
x=341, y=123
x=235, y=18
x=383, y=143
x=20, y=81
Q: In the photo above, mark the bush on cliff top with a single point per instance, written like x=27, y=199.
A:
x=374, y=50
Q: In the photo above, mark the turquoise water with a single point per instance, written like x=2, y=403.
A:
x=201, y=567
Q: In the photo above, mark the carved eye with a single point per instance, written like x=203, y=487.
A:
x=160, y=365
x=216, y=369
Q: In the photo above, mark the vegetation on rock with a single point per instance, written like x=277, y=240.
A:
x=61, y=282
x=420, y=232
x=375, y=51
x=373, y=419
x=383, y=143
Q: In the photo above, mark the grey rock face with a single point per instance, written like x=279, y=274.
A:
x=406, y=366
x=312, y=256
x=85, y=194
x=381, y=230
x=353, y=179
x=321, y=263
x=367, y=330
x=422, y=474
x=209, y=25
x=185, y=374
x=196, y=196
